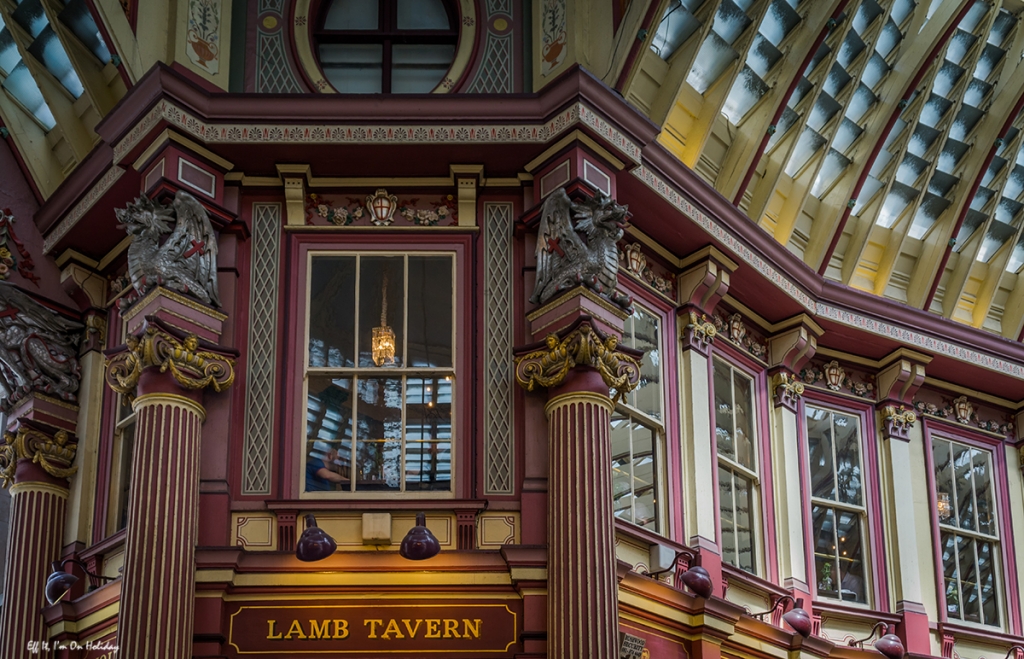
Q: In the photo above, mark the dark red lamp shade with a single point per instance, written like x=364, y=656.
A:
x=315, y=544
x=699, y=581
x=890, y=646
x=799, y=619
x=419, y=543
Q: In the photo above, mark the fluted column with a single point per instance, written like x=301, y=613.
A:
x=39, y=464
x=166, y=373
x=578, y=363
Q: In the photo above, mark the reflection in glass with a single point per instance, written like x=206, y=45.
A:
x=634, y=470
x=422, y=15
x=379, y=434
x=428, y=433
x=418, y=68
x=430, y=311
x=642, y=331
x=353, y=68
x=332, y=300
x=352, y=15
x=328, y=452
x=965, y=507
x=376, y=273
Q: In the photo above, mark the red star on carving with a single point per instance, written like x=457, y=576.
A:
x=553, y=246
x=197, y=246
x=9, y=312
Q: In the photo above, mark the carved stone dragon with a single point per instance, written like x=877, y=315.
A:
x=38, y=350
x=576, y=244
x=186, y=261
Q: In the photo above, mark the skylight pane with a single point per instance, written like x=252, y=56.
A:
x=746, y=91
x=23, y=87
x=972, y=221
x=900, y=196
x=831, y=169
x=9, y=55
x=808, y=144
x=997, y=235
x=730, y=21
x=77, y=17
x=714, y=57
x=677, y=25
x=48, y=50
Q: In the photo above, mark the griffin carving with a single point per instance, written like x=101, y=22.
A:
x=186, y=261
x=576, y=244
x=38, y=350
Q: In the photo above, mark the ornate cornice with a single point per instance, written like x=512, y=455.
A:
x=585, y=347
x=54, y=454
x=190, y=367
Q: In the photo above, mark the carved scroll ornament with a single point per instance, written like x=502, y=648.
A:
x=56, y=454
x=190, y=367
x=898, y=421
x=584, y=346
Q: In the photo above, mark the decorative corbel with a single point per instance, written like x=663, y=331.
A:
x=795, y=344
x=705, y=279
x=897, y=422
x=786, y=390
x=901, y=376
x=698, y=332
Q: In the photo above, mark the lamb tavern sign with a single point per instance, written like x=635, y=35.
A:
x=374, y=628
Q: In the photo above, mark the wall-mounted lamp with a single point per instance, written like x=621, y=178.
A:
x=797, y=617
x=695, y=577
x=59, y=584
x=315, y=544
x=1014, y=649
x=419, y=543
x=889, y=645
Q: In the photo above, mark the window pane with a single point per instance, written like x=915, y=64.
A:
x=428, y=433
x=962, y=465
x=943, y=481
x=727, y=516
x=622, y=468
x=949, y=569
x=987, y=582
x=825, y=551
x=77, y=17
x=744, y=414
x=819, y=446
x=332, y=303
x=381, y=304
x=848, y=474
x=422, y=15
x=744, y=523
x=418, y=68
x=970, y=606
x=379, y=434
x=328, y=434
x=353, y=68
x=430, y=311
x=644, y=484
x=645, y=336
x=851, y=557
x=724, y=411
x=351, y=15
x=983, y=492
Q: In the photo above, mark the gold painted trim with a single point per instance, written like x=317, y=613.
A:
x=391, y=229
x=365, y=579
x=561, y=400
x=189, y=320
x=137, y=307
x=174, y=400
x=673, y=635
x=72, y=626
x=35, y=486
x=467, y=24
x=575, y=136
x=46, y=399
x=169, y=135
x=585, y=292
x=975, y=395
x=356, y=597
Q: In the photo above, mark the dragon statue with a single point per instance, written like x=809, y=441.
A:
x=186, y=261
x=38, y=350
x=576, y=245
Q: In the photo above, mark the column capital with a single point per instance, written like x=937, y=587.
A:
x=193, y=364
x=897, y=421
x=786, y=390
x=52, y=451
x=580, y=345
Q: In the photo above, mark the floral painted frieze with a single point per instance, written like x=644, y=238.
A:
x=733, y=327
x=382, y=209
x=13, y=255
x=834, y=377
x=633, y=261
x=964, y=412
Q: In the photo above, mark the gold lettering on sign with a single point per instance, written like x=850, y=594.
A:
x=451, y=628
x=392, y=629
x=434, y=628
x=340, y=629
x=319, y=630
x=337, y=629
x=412, y=630
x=271, y=636
x=296, y=631
x=474, y=630
x=373, y=627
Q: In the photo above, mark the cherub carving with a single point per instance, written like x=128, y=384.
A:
x=186, y=261
x=576, y=244
x=38, y=349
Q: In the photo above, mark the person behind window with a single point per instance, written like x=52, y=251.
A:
x=322, y=469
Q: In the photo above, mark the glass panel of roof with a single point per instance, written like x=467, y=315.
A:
x=832, y=167
x=846, y=135
x=837, y=80
x=888, y=39
x=901, y=10
x=30, y=15
x=863, y=100
x=977, y=92
x=22, y=87
x=1017, y=257
x=974, y=16
x=825, y=108
x=941, y=183
x=352, y=15
x=866, y=14
x=934, y=109
x=730, y=21
x=959, y=45
x=947, y=78
x=966, y=119
x=1014, y=183
x=852, y=47
x=993, y=170
x=422, y=15
x=981, y=198
x=997, y=235
x=9, y=55
x=712, y=59
x=1001, y=28
x=972, y=221
x=677, y=25
x=746, y=91
x=1008, y=210
x=900, y=196
x=875, y=71
x=786, y=121
x=808, y=144
x=911, y=169
x=952, y=152
x=79, y=20
x=867, y=192
x=779, y=20
x=927, y=213
x=990, y=57
x=47, y=49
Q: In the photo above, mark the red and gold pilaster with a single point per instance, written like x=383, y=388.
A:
x=578, y=363
x=166, y=374
x=37, y=459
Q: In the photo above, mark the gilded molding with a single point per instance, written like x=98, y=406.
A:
x=56, y=454
x=787, y=390
x=898, y=422
x=190, y=367
x=584, y=346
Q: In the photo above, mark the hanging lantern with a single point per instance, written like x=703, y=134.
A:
x=382, y=207
x=383, y=342
x=945, y=509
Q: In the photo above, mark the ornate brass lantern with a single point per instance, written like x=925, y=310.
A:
x=383, y=343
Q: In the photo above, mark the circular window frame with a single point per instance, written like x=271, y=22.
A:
x=303, y=23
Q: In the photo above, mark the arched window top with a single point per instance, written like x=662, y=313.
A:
x=389, y=46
